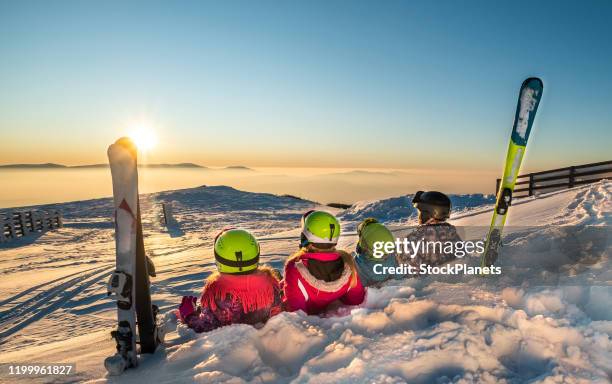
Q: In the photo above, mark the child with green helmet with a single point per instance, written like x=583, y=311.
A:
x=319, y=274
x=369, y=262
x=241, y=291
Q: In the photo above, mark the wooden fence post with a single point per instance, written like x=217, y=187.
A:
x=37, y=222
x=48, y=223
x=164, y=213
x=531, y=184
x=40, y=217
x=21, y=222
x=3, y=229
x=11, y=229
x=168, y=214
x=29, y=221
x=572, y=177
x=497, y=183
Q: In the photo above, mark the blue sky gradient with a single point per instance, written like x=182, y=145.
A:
x=399, y=84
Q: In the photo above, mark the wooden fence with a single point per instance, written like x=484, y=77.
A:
x=167, y=214
x=21, y=224
x=561, y=178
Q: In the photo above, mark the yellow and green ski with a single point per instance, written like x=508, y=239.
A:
x=529, y=99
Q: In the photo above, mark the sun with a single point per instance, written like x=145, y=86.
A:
x=144, y=137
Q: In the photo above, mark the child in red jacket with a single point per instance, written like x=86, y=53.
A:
x=318, y=274
x=240, y=292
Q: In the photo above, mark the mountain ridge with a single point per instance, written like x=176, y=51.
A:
x=85, y=166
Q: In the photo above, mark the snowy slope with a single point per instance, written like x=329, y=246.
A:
x=52, y=304
x=400, y=209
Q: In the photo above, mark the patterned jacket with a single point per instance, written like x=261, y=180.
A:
x=435, y=236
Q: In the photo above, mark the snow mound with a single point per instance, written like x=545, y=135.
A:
x=400, y=209
x=390, y=210
x=465, y=202
x=400, y=338
x=261, y=213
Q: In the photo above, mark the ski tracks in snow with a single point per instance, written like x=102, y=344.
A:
x=46, y=298
x=590, y=206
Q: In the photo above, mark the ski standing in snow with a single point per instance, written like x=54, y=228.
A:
x=529, y=99
x=129, y=284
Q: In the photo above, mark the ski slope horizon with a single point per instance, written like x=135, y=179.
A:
x=415, y=330
x=326, y=185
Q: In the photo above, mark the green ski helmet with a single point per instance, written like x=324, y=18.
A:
x=236, y=251
x=319, y=228
x=371, y=231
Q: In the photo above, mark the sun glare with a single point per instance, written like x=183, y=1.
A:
x=144, y=138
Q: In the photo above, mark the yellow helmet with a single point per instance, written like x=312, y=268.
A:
x=236, y=251
x=370, y=231
x=320, y=228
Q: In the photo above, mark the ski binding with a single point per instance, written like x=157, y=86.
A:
x=116, y=364
x=120, y=289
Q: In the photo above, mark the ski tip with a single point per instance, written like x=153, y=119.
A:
x=128, y=144
x=533, y=82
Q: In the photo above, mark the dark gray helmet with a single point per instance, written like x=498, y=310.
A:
x=432, y=204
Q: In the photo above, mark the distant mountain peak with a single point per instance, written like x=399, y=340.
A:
x=169, y=165
x=29, y=166
x=102, y=165
x=238, y=168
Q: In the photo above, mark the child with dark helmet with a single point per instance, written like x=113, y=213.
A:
x=434, y=209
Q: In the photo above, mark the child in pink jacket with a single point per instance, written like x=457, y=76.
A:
x=318, y=274
x=241, y=291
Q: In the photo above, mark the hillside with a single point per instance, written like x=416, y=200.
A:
x=552, y=322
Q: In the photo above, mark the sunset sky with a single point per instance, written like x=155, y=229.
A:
x=394, y=84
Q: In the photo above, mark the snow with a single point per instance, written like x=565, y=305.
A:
x=400, y=209
x=548, y=324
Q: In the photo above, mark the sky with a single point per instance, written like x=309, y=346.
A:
x=393, y=84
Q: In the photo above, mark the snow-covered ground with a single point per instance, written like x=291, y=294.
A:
x=548, y=323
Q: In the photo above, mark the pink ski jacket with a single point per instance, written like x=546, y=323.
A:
x=304, y=291
x=231, y=299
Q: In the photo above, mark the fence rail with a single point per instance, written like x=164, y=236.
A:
x=15, y=225
x=560, y=178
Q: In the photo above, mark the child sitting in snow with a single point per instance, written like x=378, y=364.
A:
x=370, y=231
x=434, y=209
x=240, y=292
x=318, y=274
